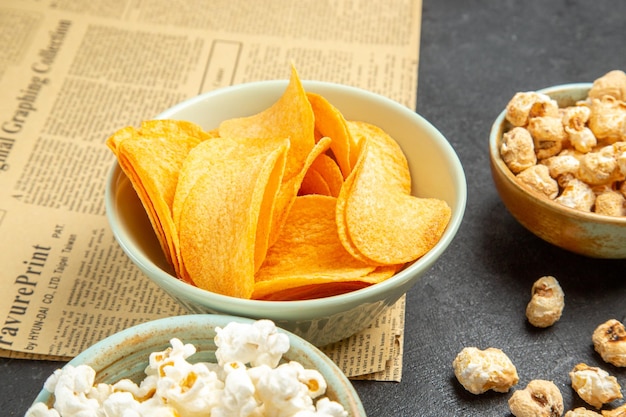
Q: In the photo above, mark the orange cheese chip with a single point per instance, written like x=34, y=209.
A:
x=377, y=217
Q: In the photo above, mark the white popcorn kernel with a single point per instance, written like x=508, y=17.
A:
x=577, y=195
x=41, y=410
x=121, y=404
x=238, y=397
x=324, y=408
x=281, y=391
x=72, y=385
x=483, y=370
x=258, y=344
x=594, y=385
x=525, y=105
x=194, y=388
x=538, y=179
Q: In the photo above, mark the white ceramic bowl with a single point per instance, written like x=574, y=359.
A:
x=436, y=172
x=588, y=234
x=126, y=354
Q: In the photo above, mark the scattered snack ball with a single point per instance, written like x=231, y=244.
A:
x=582, y=412
x=248, y=379
x=615, y=412
x=250, y=208
x=482, y=370
x=547, y=302
x=609, y=340
x=574, y=155
x=594, y=385
x=540, y=398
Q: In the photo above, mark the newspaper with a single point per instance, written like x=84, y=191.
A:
x=74, y=71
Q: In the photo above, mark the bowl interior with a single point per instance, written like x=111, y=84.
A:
x=435, y=168
x=125, y=354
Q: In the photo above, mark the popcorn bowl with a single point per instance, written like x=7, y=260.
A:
x=126, y=354
x=584, y=233
x=436, y=172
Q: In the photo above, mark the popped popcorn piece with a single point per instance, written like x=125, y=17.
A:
x=324, y=408
x=538, y=178
x=613, y=83
x=548, y=135
x=575, y=117
x=583, y=140
x=546, y=303
x=616, y=412
x=598, y=168
x=582, y=412
x=281, y=390
x=618, y=150
x=561, y=164
x=594, y=385
x=611, y=203
x=41, y=410
x=577, y=195
x=238, y=398
x=259, y=344
x=609, y=340
x=540, y=398
x=518, y=150
x=483, y=370
x=608, y=119
x=525, y=105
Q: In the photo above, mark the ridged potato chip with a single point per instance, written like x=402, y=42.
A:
x=152, y=157
x=221, y=214
x=308, y=251
x=378, y=219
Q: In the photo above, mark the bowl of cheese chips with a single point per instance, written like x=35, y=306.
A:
x=313, y=204
x=558, y=161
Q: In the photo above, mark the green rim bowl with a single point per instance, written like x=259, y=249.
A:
x=436, y=172
x=126, y=354
x=589, y=234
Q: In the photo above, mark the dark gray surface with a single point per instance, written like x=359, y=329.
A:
x=474, y=56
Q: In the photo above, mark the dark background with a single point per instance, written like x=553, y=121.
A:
x=475, y=54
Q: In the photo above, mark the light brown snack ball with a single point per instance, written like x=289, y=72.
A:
x=582, y=412
x=609, y=340
x=546, y=303
x=540, y=398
